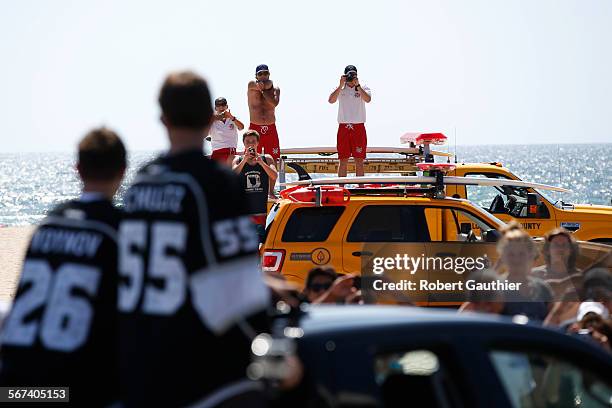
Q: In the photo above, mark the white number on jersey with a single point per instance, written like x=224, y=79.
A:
x=235, y=235
x=66, y=319
x=168, y=241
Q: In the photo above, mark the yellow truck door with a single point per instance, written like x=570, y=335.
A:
x=458, y=251
x=383, y=231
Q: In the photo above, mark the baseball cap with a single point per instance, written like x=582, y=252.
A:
x=591, y=307
x=350, y=68
x=260, y=68
x=220, y=101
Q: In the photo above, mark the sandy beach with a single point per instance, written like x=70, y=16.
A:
x=13, y=244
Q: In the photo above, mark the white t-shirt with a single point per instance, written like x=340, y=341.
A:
x=223, y=134
x=351, y=107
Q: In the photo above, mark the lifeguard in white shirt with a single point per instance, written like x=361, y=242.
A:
x=352, y=138
x=224, y=133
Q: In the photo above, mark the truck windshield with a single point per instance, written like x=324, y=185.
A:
x=490, y=218
x=546, y=196
x=484, y=195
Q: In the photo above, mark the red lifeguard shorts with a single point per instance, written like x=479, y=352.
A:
x=352, y=140
x=221, y=155
x=268, y=139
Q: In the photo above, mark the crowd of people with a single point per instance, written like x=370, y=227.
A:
x=153, y=295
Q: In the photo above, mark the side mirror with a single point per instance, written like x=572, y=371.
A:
x=532, y=205
x=491, y=235
x=465, y=228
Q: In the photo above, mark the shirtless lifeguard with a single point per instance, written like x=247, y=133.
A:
x=263, y=99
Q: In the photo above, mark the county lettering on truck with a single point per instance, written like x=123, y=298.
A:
x=529, y=206
x=532, y=225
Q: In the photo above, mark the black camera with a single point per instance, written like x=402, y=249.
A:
x=350, y=76
x=252, y=150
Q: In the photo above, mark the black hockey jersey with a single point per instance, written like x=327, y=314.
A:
x=61, y=330
x=189, y=281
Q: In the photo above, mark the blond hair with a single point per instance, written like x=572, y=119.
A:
x=513, y=232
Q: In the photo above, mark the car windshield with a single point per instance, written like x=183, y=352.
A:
x=516, y=191
x=548, y=198
x=523, y=192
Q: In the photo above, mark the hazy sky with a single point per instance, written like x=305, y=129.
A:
x=514, y=71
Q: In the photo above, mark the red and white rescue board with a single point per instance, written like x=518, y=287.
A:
x=423, y=138
x=442, y=167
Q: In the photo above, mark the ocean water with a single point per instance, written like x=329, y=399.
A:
x=32, y=183
x=584, y=169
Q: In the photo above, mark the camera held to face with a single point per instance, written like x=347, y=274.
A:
x=350, y=76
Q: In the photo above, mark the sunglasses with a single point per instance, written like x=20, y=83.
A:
x=318, y=287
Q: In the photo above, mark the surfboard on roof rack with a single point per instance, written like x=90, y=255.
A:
x=469, y=181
